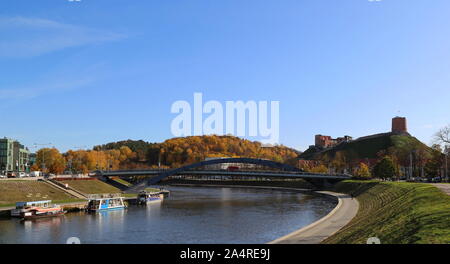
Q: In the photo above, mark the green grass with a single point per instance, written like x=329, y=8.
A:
x=92, y=186
x=396, y=213
x=69, y=201
x=119, y=180
x=135, y=194
x=129, y=194
x=24, y=190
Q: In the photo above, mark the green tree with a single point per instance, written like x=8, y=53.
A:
x=385, y=168
x=434, y=164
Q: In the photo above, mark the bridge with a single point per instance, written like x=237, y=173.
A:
x=283, y=171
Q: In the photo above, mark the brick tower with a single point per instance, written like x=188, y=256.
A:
x=399, y=125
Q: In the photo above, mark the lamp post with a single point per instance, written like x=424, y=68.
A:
x=35, y=145
x=411, y=164
x=79, y=158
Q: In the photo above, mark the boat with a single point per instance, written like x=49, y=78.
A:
x=43, y=213
x=149, y=197
x=103, y=203
x=22, y=207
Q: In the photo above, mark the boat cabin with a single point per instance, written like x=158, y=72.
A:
x=105, y=203
x=22, y=207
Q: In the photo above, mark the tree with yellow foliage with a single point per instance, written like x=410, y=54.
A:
x=363, y=172
x=50, y=160
x=319, y=169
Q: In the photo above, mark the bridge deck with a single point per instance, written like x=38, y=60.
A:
x=284, y=171
x=151, y=173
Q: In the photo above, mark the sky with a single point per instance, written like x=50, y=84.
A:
x=79, y=74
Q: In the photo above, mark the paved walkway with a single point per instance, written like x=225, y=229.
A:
x=325, y=227
x=445, y=187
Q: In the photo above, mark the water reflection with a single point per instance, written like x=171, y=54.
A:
x=153, y=209
x=189, y=215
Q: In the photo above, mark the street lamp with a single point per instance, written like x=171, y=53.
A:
x=79, y=158
x=35, y=145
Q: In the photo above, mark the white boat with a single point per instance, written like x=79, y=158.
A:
x=36, y=208
x=105, y=203
x=149, y=197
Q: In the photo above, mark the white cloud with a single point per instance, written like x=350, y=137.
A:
x=36, y=90
x=26, y=37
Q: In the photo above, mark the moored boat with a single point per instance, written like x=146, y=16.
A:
x=36, y=213
x=103, y=203
x=149, y=197
x=23, y=207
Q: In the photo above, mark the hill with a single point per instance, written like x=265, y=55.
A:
x=369, y=147
x=184, y=150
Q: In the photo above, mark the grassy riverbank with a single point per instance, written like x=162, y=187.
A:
x=123, y=182
x=396, y=213
x=23, y=190
x=99, y=187
x=92, y=187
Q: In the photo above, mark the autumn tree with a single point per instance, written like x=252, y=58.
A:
x=363, y=172
x=50, y=160
x=319, y=169
x=339, y=162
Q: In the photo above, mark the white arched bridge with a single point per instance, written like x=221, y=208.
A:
x=283, y=171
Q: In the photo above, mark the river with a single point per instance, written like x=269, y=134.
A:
x=189, y=215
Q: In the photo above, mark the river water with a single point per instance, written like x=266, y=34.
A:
x=189, y=215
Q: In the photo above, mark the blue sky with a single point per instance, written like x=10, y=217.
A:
x=84, y=73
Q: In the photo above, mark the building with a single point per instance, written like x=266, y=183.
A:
x=32, y=159
x=399, y=125
x=14, y=157
x=328, y=142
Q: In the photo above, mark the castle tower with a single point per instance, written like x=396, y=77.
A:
x=399, y=125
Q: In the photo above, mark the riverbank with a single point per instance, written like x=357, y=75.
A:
x=13, y=191
x=316, y=232
x=21, y=190
x=396, y=213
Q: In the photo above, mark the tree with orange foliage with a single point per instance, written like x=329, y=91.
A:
x=50, y=160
